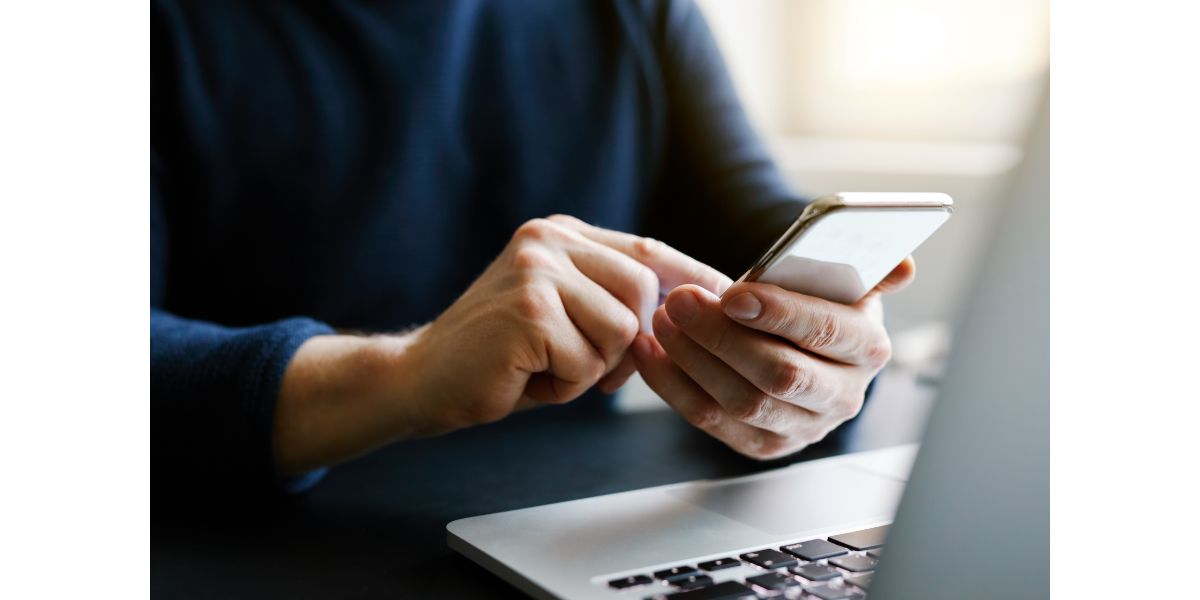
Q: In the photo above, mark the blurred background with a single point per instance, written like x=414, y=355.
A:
x=896, y=95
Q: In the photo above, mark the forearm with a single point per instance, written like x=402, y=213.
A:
x=343, y=396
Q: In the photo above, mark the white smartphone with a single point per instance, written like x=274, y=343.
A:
x=843, y=245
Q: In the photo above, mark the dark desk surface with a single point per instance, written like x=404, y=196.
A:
x=375, y=528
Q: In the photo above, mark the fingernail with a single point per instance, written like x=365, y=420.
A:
x=641, y=348
x=683, y=307
x=743, y=307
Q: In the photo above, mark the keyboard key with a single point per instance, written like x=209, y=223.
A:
x=769, y=559
x=720, y=563
x=630, y=581
x=862, y=540
x=729, y=590
x=816, y=572
x=854, y=562
x=773, y=581
x=676, y=573
x=862, y=580
x=814, y=550
x=876, y=553
x=829, y=592
x=692, y=582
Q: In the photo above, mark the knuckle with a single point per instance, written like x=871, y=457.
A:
x=597, y=368
x=533, y=303
x=646, y=282
x=753, y=409
x=564, y=219
x=646, y=247
x=706, y=417
x=825, y=331
x=878, y=351
x=770, y=447
x=811, y=437
x=625, y=329
x=778, y=316
x=563, y=390
x=848, y=407
x=537, y=229
x=616, y=340
x=531, y=257
x=808, y=435
x=791, y=380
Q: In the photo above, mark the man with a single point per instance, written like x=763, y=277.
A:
x=323, y=168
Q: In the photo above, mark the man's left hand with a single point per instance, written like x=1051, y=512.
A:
x=765, y=370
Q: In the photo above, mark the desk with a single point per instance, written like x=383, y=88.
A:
x=375, y=528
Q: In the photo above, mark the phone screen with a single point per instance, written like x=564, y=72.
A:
x=845, y=253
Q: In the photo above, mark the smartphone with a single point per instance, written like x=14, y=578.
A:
x=843, y=245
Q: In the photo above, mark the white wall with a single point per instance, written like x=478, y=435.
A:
x=895, y=95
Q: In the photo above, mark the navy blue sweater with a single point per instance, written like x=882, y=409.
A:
x=347, y=164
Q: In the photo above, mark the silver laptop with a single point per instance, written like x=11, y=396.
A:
x=972, y=522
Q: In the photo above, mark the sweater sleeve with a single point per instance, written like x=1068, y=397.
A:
x=720, y=197
x=213, y=391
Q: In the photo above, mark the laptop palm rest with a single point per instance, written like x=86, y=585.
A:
x=795, y=501
x=564, y=545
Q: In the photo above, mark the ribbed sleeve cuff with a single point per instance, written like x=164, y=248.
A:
x=285, y=339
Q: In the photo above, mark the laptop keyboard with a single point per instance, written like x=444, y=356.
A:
x=839, y=567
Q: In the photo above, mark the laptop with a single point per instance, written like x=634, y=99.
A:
x=970, y=519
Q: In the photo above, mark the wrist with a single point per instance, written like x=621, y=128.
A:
x=342, y=396
x=389, y=378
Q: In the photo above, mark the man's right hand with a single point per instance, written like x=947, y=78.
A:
x=552, y=316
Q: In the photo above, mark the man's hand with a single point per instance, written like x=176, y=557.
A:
x=765, y=370
x=552, y=316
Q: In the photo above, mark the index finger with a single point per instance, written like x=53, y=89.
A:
x=899, y=278
x=673, y=267
x=842, y=333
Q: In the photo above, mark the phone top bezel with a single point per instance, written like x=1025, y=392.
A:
x=906, y=201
